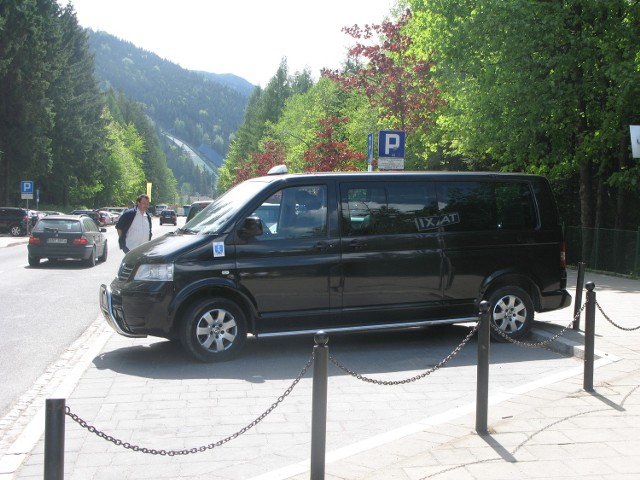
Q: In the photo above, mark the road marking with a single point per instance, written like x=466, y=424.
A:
x=419, y=426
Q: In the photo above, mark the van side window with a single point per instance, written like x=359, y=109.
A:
x=295, y=212
x=379, y=209
x=471, y=206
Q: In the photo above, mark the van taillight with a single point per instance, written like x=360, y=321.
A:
x=563, y=255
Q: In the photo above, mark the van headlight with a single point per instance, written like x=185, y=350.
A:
x=155, y=272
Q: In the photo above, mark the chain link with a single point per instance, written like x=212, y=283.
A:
x=407, y=380
x=543, y=343
x=626, y=329
x=287, y=392
x=203, y=448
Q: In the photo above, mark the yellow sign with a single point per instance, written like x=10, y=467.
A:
x=149, y=190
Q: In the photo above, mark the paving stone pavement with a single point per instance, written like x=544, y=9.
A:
x=542, y=424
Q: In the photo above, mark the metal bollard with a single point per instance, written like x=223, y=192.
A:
x=319, y=405
x=482, y=388
x=589, y=337
x=54, y=439
x=578, y=300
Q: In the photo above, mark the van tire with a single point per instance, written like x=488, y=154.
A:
x=511, y=312
x=213, y=330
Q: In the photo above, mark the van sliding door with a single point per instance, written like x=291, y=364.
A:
x=391, y=256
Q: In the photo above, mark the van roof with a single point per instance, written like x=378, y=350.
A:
x=386, y=175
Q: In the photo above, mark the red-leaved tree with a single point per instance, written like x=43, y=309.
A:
x=272, y=154
x=394, y=80
x=329, y=154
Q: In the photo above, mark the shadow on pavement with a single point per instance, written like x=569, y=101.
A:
x=284, y=357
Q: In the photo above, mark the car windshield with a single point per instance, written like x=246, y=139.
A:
x=214, y=218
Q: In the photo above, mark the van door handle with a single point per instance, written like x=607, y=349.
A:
x=322, y=246
x=357, y=244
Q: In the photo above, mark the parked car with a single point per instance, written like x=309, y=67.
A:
x=197, y=207
x=91, y=214
x=168, y=216
x=51, y=212
x=347, y=252
x=105, y=218
x=14, y=220
x=115, y=212
x=59, y=237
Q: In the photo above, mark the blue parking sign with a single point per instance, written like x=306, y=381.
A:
x=26, y=186
x=391, y=143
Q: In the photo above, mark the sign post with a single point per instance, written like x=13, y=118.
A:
x=635, y=140
x=391, y=149
x=370, y=152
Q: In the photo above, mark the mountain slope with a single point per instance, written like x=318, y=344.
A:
x=204, y=110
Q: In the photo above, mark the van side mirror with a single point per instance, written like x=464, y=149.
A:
x=252, y=227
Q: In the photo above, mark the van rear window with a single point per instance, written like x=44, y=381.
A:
x=487, y=205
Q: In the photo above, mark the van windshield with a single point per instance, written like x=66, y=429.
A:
x=216, y=217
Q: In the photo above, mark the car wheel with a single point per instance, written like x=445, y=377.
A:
x=105, y=252
x=512, y=312
x=91, y=261
x=16, y=231
x=34, y=261
x=213, y=329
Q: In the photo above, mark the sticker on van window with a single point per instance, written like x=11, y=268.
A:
x=218, y=249
x=435, y=221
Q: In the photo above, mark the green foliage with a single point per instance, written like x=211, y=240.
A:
x=28, y=41
x=54, y=127
x=78, y=134
x=544, y=87
x=264, y=107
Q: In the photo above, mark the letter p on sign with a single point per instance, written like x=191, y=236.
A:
x=391, y=143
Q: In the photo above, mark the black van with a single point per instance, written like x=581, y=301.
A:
x=346, y=252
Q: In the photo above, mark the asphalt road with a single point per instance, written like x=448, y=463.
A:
x=45, y=309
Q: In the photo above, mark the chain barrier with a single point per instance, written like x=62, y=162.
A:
x=543, y=343
x=412, y=379
x=626, y=329
x=202, y=448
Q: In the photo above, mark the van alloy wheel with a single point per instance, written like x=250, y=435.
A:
x=213, y=329
x=512, y=312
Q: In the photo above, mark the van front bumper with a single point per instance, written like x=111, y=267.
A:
x=114, y=320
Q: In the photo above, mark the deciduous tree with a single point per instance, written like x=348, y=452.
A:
x=330, y=154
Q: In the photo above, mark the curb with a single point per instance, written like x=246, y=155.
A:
x=562, y=345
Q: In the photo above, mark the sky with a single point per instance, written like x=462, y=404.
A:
x=247, y=38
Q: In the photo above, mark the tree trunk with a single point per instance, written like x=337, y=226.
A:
x=621, y=200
